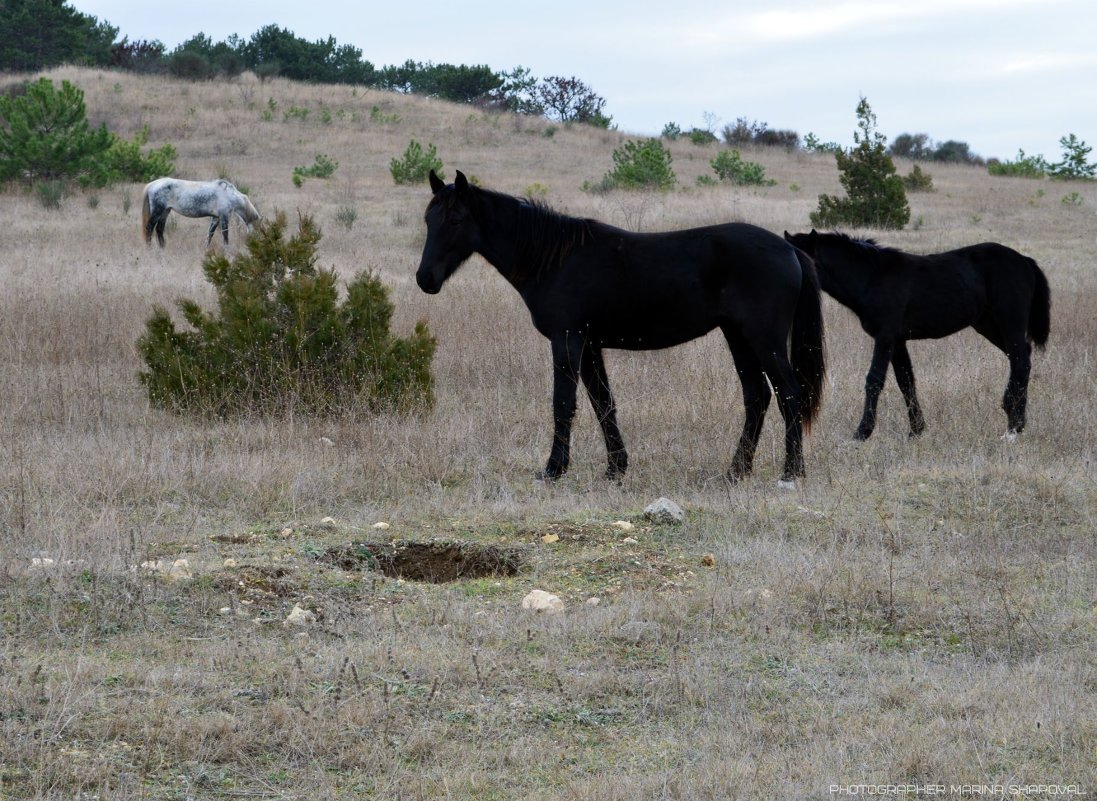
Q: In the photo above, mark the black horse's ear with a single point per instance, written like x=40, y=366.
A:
x=436, y=183
x=461, y=183
x=788, y=236
x=814, y=233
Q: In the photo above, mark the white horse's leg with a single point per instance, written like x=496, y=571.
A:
x=212, y=230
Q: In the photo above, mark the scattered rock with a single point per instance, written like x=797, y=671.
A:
x=299, y=616
x=43, y=562
x=623, y=525
x=594, y=601
x=328, y=521
x=541, y=601
x=550, y=538
x=229, y=563
x=179, y=570
x=708, y=560
x=381, y=525
x=630, y=541
x=664, y=512
x=327, y=443
x=639, y=630
x=286, y=533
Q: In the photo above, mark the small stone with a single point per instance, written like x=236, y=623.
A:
x=286, y=533
x=665, y=512
x=327, y=443
x=541, y=601
x=42, y=561
x=229, y=563
x=594, y=601
x=299, y=616
x=623, y=525
x=328, y=521
x=550, y=538
x=630, y=541
x=225, y=610
x=381, y=525
x=179, y=571
x=708, y=560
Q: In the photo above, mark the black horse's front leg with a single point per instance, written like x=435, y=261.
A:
x=592, y=369
x=874, y=385
x=904, y=377
x=565, y=379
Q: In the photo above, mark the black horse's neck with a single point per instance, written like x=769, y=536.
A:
x=524, y=239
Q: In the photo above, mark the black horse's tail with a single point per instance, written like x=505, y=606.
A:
x=808, y=348
x=1039, y=312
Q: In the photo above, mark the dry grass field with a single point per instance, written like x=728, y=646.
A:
x=915, y=613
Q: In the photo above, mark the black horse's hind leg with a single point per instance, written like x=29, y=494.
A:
x=787, y=388
x=566, y=357
x=756, y=398
x=874, y=385
x=904, y=377
x=1015, y=400
x=592, y=369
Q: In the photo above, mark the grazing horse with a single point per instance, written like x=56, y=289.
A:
x=218, y=199
x=999, y=292
x=589, y=286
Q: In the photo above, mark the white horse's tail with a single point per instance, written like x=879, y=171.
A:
x=145, y=214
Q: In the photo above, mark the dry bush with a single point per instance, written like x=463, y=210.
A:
x=916, y=611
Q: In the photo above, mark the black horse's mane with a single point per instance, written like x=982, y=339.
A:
x=544, y=237
x=864, y=242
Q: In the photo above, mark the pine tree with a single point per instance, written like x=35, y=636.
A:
x=281, y=340
x=47, y=135
x=875, y=193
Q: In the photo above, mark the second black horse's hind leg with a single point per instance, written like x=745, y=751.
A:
x=592, y=369
x=1015, y=400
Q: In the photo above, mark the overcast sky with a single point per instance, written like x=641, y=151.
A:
x=997, y=74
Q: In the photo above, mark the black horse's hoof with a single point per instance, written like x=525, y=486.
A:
x=549, y=474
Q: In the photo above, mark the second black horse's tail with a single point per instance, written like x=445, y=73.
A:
x=1039, y=313
x=808, y=341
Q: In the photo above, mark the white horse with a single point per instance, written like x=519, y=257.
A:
x=218, y=199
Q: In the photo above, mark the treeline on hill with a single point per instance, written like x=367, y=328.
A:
x=43, y=33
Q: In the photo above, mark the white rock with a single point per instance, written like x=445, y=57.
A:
x=327, y=521
x=381, y=525
x=664, y=511
x=179, y=571
x=623, y=525
x=630, y=541
x=43, y=561
x=593, y=601
x=230, y=562
x=327, y=443
x=541, y=601
x=299, y=616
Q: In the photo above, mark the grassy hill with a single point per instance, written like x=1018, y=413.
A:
x=915, y=612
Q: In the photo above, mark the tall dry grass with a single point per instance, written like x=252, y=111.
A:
x=916, y=612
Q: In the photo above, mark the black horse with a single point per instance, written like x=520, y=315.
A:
x=590, y=286
x=999, y=292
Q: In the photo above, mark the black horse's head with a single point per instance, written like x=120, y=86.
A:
x=453, y=233
x=806, y=242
